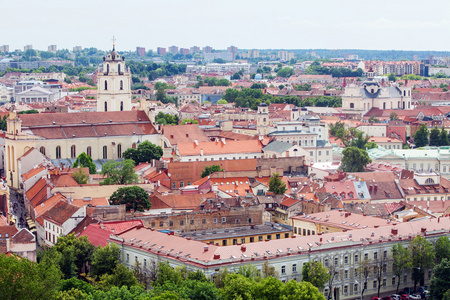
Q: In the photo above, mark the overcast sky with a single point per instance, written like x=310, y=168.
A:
x=263, y=24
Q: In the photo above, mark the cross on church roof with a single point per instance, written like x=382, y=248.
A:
x=114, y=41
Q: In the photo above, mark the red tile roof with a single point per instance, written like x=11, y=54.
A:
x=230, y=147
x=60, y=213
x=184, y=133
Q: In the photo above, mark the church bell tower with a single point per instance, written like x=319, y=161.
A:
x=114, y=84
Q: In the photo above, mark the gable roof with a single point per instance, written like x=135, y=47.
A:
x=184, y=133
x=23, y=237
x=181, y=202
x=60, y=213
x=278, y=146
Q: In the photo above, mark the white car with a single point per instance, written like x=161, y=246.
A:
x=396, y=297
x=415, y=297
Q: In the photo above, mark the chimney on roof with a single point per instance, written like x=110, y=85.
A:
x=223, y=141
x=376, y=188
x=423, y=229
x=196, y=142
x=243, y=248
x=205, y=248
x=394, y=231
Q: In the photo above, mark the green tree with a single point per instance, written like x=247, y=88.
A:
x=421, y=136
x=315, y=273
x=80, y=177
x=392, y=77
x=268, y=288
x=119, y=172
x=121, y=276
x=393, y=116
x=268, y=270
x=23, y=279
x=222, y=101
x=84, y=160
x=354, y=159
x=303, y=290
x=334, y=128
x=285, y=72
x=401, y=262
x=435, y=137
x=145, y=152
x=166, y=119
x=237, y=286
x=161, y=95
x=276, y=185
x=189, y=121
x=443, y=137
x=364, y=268
x=440, y=283
x=80, y=248
x=211, y=169
x=422, y=258
x=442, y=249
x=105, y=259
x=359, y=140
x=134, y=197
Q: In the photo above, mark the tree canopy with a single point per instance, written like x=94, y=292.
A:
x=421, y=136
x=315, y=273
x=276, y=185
x=166, y=119
x=119, y=172
x=84, y=160
x=208, y=170
x=354, y=159
x=145, y=152
x=134, y=197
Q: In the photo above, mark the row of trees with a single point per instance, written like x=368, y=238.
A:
x=435, y=137
x=316, y=69
x=251, y=97
x=153, y=70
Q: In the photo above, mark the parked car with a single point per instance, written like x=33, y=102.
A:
x=387, y=298
x=376, y=298
x=422, y=289
x=415, y=297
x=396, y=297
x=404, y=295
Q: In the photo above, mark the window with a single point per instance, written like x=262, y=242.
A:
x=89, y=151
x=242, y=240
x=106, y=85
x=294, y=268
x=73, y=151
x=191, y=222
x=385, y=253
x=170, y=223
x=121, y=82
x=346, y=274
x=135, y=258
x=161, y=224
x=128, y=257
x=153, y=224
x=346, y=260
x=384, y=281
x=384, y=268
x=203, y=221
x=336, y=261
x=181, y=223
x=106, y=106
x=260, y=238
x=356, y=258
x=374, y=285
x=355, y=288
x=269, y=237
x=283, y=269
x=181, y=184
x=121, y=105
x=105, y=152
x=224, y=219
x=119, y=151
x=252, y=239
x=393, y=280
x=325, y=262
x=345, y=289
x=145, y=262
x=42, y=150
x=375, y=255
x=278, y=236
x=405, y=278
x=215, y=220
x=174, y=185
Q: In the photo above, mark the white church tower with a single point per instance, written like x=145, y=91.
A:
x=114, y=84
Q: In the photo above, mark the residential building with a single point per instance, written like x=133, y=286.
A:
x=214, y=67
x=6, y=94
x=310, y=134
x=342, y=252
x=60, y=220
x=173, y=49
x=184, y=51
x=161, y=51
x=240, y=235
x=285, y=55
x=253, y=53
x=113, y=84
x=52, y=48
x=194, y=49
x=207, y=49
x=140, y=51
x=4, y=49
x=333, y=221
x=22, y=243
x=27, y=47
x=77, y=49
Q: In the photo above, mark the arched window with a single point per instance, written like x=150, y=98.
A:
x=89, y=151
x=105, y=152
x=119, y=151
x=107, y=68
x=133, y=146
x=121, y=84
x=429, y=181
x=119, y=68
x=106, y=106
x=106, y=85
x=121, y=105
x=73, y=151
x=42, y=150
x=384, y=105
x=58, y=151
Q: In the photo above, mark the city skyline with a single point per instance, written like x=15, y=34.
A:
x=325, y=25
